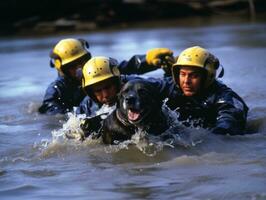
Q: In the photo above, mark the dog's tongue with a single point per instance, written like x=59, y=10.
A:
x=133, y=115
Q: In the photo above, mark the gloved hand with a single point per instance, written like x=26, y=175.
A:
x=160, y=57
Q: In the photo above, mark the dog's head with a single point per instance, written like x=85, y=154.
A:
x=138, y=102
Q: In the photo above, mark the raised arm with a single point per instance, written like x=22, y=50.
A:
x=154, y=59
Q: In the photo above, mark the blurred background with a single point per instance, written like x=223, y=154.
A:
x=30, y=17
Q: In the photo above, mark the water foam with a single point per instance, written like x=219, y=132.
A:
x=71, y=127
x=175, y=136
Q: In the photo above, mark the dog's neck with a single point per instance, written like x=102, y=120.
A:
x=157, y=125
x=122, y=119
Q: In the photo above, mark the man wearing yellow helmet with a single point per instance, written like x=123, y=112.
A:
x=200, y=99
x=193, y=91
x=68, y=57
x=101, y=81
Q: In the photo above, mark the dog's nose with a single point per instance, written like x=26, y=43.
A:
x=130, y=99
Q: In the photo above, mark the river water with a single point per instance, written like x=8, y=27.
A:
x=36, y=165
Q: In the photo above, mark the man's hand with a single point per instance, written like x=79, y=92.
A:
x=160, y=57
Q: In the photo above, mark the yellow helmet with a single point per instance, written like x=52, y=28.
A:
x=67, y=51
x=98, y=69
x=197, y=57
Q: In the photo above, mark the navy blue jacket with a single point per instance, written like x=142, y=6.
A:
x=62, y=94
x=218, y=109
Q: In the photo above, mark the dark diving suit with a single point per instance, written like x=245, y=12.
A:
x=218, y=109
x=63, y=94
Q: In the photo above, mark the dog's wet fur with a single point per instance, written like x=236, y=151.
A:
x=139, y=107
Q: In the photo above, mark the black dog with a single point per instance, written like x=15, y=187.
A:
x=139, y=106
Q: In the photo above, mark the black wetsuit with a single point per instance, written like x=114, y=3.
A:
x=63, y=94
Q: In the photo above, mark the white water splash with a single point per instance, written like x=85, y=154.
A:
x=176, y=136
x=105, y=110
x=147, y=144
x=70, y=128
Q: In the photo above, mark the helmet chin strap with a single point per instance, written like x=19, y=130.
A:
x=221, y=74
x=79, y=73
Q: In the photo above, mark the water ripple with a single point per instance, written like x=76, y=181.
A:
x=39, y=173
x=18, y=190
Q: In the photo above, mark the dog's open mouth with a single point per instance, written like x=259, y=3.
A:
x=133, y=115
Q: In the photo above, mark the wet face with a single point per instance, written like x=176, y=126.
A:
x=74, y=69
x=190, y=80
x=105, y=92
x=74, y=72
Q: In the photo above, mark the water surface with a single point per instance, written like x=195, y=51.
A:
x=35, y=166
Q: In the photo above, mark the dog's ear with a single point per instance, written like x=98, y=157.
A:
x=119, y=96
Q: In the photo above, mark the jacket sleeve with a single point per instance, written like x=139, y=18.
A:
x=166, y=87
x=136, y=65
x=231, y=114
x=52, y=103
x=87, y=106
